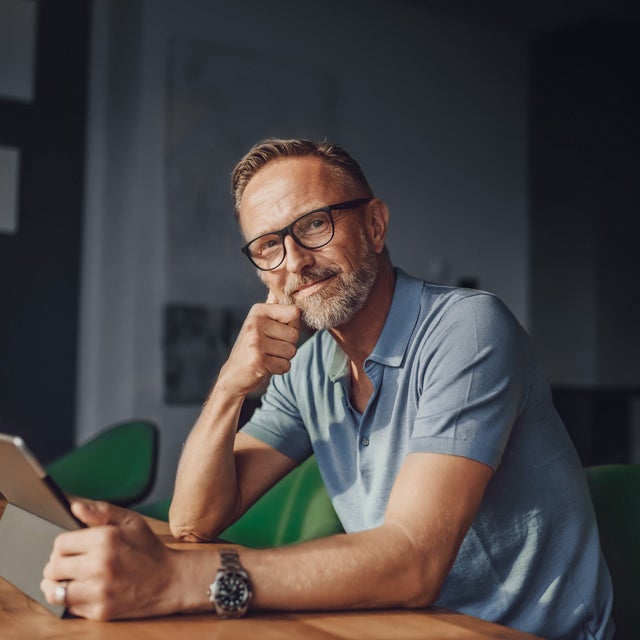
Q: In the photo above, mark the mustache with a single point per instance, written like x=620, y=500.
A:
x=313, y=275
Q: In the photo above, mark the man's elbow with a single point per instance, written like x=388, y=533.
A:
x=421, y=589
x=420, y=598
x=420, y=578
x=187, y=528
x=186, y=534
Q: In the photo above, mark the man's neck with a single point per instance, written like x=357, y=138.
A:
x=359, y=336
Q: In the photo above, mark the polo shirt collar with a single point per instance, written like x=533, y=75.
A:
x=396, y=333
x=401, y=321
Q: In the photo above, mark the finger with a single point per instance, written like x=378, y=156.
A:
x=105, y=522
x=100, y=513
x=275, y=365
x=49, y=588
x=274, y=357
x=76, y=592
x=285, y=313
x=278, y=331
x=258, y=325
x=83, y=598
x=76, y=566
x=78, y=542
x=281, y=348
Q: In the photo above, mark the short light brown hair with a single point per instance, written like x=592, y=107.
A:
x=345, y=168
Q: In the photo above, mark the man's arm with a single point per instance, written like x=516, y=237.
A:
x=404, y=562
x=120, y=570
x=220, y=476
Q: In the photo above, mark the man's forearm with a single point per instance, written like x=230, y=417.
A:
x=205, y=495
x=372, y=569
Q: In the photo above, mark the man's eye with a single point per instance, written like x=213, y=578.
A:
x=266, y=245
x=313, y=226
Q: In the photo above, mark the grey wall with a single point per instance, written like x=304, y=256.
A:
x=434, y=110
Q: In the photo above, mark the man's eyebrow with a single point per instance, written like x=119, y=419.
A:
x=293, y=219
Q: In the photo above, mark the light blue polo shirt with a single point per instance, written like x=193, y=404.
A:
x=454, y=373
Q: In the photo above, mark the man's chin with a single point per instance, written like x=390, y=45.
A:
x=323, y=314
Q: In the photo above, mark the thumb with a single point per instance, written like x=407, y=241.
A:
x=95, y=514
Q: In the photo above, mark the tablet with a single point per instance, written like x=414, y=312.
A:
x=25, y=484
x=37, y=511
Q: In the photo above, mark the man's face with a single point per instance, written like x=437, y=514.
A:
x=329, y=284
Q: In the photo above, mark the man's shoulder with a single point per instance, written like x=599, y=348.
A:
x=445, y=302
x=442, y=296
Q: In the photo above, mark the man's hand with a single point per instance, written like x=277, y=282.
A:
x=117, y=568
x=265, y=346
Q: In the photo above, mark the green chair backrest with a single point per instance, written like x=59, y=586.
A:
x=295, y=509
x=615, y=491
x=118, y=465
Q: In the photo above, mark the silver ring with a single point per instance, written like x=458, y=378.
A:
x=60, y=593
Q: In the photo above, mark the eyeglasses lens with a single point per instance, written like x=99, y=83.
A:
x=311, y=231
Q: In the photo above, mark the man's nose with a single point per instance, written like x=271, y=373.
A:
x=297, y=258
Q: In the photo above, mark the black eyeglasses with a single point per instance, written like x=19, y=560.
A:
x=311, y=231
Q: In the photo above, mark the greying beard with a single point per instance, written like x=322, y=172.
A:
x=338, y=302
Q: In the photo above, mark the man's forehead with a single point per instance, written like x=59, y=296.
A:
x=289, y=175
x=285, y=188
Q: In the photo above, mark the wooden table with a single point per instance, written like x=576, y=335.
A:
x=23, y=619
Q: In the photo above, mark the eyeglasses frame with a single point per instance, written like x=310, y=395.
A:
x=287, y=231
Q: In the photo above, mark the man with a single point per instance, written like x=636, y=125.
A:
x=428, y=414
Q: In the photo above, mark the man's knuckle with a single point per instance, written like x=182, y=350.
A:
x=110, y=535
x=57, y=545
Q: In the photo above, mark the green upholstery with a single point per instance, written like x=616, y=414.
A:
x=296, y=509
x=118, y=465
x=615, y=490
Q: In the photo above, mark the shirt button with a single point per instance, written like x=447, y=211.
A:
x=365, y=441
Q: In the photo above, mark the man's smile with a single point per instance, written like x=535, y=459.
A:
x=311, y=288
x=303, y=286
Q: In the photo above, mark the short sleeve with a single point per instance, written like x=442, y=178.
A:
x=278, y=423
x=473, y=372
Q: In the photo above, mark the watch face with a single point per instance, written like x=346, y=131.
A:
x=232, y=590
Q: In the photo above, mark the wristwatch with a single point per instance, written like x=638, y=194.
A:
x=230, y=591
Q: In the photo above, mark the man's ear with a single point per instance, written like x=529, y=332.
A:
x=377, y=223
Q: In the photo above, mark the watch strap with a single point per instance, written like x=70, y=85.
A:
x=230, y=566
x=230, y=560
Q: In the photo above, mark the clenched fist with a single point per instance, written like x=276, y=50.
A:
x=265, y=345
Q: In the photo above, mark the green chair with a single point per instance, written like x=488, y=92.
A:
x=296, y=509
x=615, y=491
x=118, y=465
